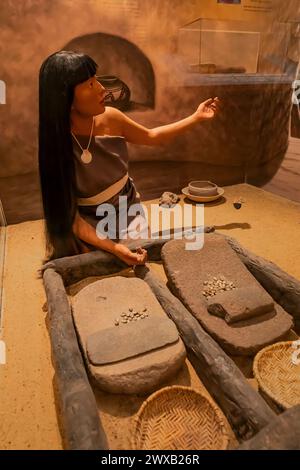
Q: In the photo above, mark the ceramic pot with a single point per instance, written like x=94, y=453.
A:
x=117, y=92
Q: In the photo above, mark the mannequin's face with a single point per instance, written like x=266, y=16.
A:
x=88, y=96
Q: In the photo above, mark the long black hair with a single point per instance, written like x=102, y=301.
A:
x=59, y=74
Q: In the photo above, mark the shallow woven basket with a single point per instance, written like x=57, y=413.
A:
x=179, y=417
x=276, y=374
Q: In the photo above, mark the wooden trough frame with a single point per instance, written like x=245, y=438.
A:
x=245, y=409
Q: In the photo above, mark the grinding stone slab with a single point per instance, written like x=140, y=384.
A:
x=96, y=307
x=241, y=303
x=119, y=343
x=187, y=270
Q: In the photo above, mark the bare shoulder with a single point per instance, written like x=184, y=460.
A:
x=109, y=122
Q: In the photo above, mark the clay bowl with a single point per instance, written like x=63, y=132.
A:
x=203, y=188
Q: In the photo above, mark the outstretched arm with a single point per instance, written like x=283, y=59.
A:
x=138, y=134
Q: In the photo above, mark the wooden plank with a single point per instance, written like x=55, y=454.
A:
x=102, y=263
x=81, y=425
x=283, y=433
x=97, y=263
x=245, y=409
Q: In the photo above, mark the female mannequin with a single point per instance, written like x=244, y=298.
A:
x=71, y=116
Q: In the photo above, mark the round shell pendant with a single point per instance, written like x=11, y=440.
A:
x=86, y=156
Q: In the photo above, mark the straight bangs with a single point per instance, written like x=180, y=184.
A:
x=83, y=69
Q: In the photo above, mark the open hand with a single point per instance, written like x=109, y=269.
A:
x=208, y=109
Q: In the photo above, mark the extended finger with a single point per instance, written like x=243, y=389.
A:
x=208, y=102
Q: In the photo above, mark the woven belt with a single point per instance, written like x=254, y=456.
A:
x=104, y=195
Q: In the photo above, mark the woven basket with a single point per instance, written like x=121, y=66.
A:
x=276, y=374
x=180, y=418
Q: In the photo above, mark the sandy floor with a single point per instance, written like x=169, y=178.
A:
x=267, y=224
